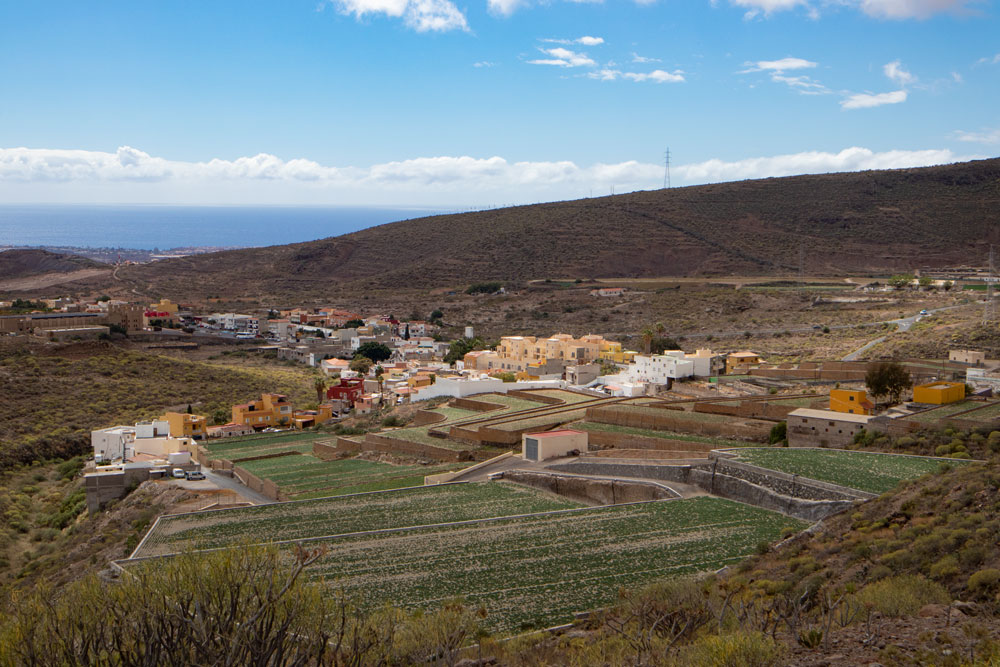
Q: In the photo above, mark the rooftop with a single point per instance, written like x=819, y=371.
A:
x=810, y=413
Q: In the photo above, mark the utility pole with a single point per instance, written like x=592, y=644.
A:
x=666, y=169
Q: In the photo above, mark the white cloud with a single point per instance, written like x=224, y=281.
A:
x=420, y=15
x=778, y=65
x=484, y=63
x=561, y=57
x=504, y=7
x=984, y=137
x=885, y=9
x=896, y=73
x=587, y=40
x=656, y=76
x=131, y=175
x=868, y=100
x=636, y=58
x=777, y=68
x=812, y=162
x=989, y=61
x=911, y=9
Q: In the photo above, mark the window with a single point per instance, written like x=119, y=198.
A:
x=851, y=398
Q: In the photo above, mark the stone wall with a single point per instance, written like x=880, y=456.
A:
x=795, y=486
x=719, y=484
x=591, y=491
x=262, y=486
x=610, y=440
x=673, y=420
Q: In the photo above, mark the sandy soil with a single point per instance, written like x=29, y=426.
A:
x=50, y=280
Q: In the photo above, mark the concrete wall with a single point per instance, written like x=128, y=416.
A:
x=591, y=491
x=609, y=440
x=104, y=487
x=719, y=484
x=263, y=486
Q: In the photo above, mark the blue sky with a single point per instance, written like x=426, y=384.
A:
x=478, y=103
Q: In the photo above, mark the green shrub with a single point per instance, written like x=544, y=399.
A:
x=740, y=649
x=984, y=583
x=903, y=595
x=945, y=568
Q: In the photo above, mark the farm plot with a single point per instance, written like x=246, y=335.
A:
x=866, y=471
x=260, y=445
x=988, y=412
x=541, y=420
x=305, y=476
x=536, y=571
x=686, y=414
x=934, y=414
x=596, y=427
x=346, y=514
x=457, y=416
x=568, y=397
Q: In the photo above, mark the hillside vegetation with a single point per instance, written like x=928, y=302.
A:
x=53, y=396
x=19, y=263
x=853, y=222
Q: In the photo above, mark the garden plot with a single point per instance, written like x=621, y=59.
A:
x=865, y=471
x=306, y=476
x=536, y=571
x=346, y=514
x=595, y=427
x=261, y=445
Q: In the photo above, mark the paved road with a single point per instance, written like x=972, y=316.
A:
x=902, y=324
x=233, y=484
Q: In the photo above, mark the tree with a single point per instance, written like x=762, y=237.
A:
x=925, y=281
x=947, y=285
x=887, y=378
x=361, y=364
x=647, y=339
x=436, y=314
x=461, y=347
x=353, y=324
x=901, y=280
x=319, y=384
x=375, y=351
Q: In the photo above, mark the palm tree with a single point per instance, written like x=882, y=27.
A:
x=647, y=338
x=319, y=384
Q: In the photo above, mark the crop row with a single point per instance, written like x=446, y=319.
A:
x=866, y=471
x=347, y=514
x=536, y=571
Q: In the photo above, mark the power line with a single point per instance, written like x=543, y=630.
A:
x=666, y=169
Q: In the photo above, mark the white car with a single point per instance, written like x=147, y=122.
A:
x=179, y=473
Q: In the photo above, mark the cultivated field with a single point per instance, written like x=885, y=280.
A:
x=595, y=427
x=866, y=471
x=536, y=571
x=346, y=514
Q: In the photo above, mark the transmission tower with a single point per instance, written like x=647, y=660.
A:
x=989, y=311
x=666, y=169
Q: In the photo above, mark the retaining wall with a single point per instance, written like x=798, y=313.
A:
x=263, y=486
x=609, y=440
x=591, y=491
x=530, y=395
x=718, y=484
x=785, y=483
x=672, y=420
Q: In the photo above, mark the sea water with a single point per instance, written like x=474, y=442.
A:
x=163, y=227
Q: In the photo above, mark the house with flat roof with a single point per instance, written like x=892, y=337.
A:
x=823, y=428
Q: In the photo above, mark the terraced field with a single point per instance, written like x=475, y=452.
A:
x=987, y=413
x=866, y=471
x=595, y=427
x=536, y=571
x=305, y=476
x=346, y=514
x=679, y=414
x=944, y=411
x=568, y=397
x=456, y=416
x=260, y=445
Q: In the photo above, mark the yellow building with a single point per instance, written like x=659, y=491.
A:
x=516, y=353
x=183, y=425
x=939, y=393
x=420, y=380
x=270, y=411
x=851, y=401
x=612, y=351
x=164, y=306
x=745, y=358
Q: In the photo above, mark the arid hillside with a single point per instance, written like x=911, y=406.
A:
x=827, y=224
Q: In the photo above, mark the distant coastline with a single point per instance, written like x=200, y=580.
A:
x=123, y=255
x=154, y=228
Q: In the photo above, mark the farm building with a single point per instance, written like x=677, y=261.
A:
x=552, y=444
x=851, y=401
x=939, y=393
x=823, y=428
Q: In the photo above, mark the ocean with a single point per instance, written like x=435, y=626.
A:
x=151, y=227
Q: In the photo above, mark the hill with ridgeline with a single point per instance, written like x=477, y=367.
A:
x=874, y=221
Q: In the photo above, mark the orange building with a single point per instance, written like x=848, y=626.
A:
x=939, y=393
x=183, y=425
x=851, y=401
x=270, y=411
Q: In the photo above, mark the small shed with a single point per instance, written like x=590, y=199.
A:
x=552, y=444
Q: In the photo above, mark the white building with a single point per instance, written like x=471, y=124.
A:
x=125, y=442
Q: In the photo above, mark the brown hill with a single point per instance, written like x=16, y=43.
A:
x=20, y=263
x=834, y=223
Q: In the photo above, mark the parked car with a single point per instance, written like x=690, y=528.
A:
x=196, y=475
x=924, y=312
x=495, y=475
x=179, y=473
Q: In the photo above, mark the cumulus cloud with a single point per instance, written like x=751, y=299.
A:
x=984, y=137
x=884, y=9
x=420, y=15
x=656, y=76
x=895, y=72
x=868, y=100
x=130, y=175
x=777, y=69
x=561, y=57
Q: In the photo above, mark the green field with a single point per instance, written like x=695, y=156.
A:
x=865, y=471
x=934, y=414
x=457, y=416
x=306, y=476
x=988, y=412
x=260, y=445
x=649, y=433
x=536, y=571
x=679, y=414
x=568, y=397
x=346, y=514
x=541, y=420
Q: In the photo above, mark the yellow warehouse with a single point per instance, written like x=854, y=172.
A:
x=939, y=393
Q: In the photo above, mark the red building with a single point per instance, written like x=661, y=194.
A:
x=349, y=390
